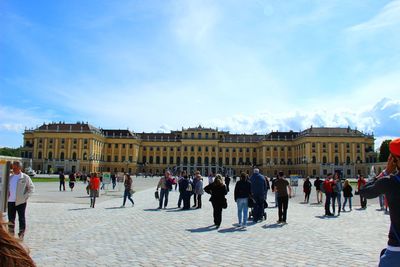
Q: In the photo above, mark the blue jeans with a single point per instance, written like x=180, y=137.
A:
x=243, y=208
x=163, y=194
x=389, y=259
x=339, y=200
x=345, y=201
x=127, y=194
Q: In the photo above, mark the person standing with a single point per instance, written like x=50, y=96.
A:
x=337, y=192
x=360, y=183
x=20, y=189
x=72, y=180
x=181, y=189
x=307, y=189
x=217, y=190
x=273, y=180
x=347, y=194
x=61, y=176
x=127, y=191
x=317, y=184
x=187, y=191
x=198, y=190
x=258, y=191
x=227, y=182
x=241, y=195
x=162, y=183
x=194, y=181
x=326, y=187
x=282, y=187
x=113, y=180
x=388, y=183
x=94, y=187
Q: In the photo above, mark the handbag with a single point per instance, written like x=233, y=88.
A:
x=225, y=204
x=251, y=202
x=156, y=195
x=132, y=191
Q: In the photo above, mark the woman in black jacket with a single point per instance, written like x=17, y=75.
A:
x=347, y=193
x=217, y=189
x=242, y=194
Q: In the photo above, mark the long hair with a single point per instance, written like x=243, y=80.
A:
x=218, y=180
x=12, y=253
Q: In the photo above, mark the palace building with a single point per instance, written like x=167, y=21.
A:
x=73, y=147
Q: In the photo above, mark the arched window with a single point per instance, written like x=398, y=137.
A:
x=74, y=156
x=50, y=155
x=348, y=160
x=213, y=160
x=191, y=160
x=84, y=156
x=336, y=160
x=324, y=160
x=39, y=154
x=185, y=160
x=151, y=160
x=314, y=160
x=233, y=161
x=157, y=160
x=206, y=161
x=199, y=161
x=62, y=155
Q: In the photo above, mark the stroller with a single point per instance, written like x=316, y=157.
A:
x=251, y=205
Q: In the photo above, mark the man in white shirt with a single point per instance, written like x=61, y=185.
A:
x=20, y=188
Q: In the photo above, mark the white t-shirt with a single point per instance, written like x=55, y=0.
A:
x=13, y=187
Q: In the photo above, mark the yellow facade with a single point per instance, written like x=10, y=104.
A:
x=312, y=152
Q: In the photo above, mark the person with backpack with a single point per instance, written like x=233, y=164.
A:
x=388, y=183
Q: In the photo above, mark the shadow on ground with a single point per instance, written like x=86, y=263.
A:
x=202, y=229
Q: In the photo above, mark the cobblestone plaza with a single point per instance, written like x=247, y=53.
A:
x=64, y=231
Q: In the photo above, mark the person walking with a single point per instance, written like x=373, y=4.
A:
x=360, y=183
x=326, y=187
x=113, y=180
x=94, y=188
x=20, y=189
x=347, y=194
x=227, y=182
x=217, y=190
x=198, y=190
x=162, y=183
x=388, y=183
x=61, y=176
x=241, y=195
x=284, y=192
x=258, y=191
x=307, y=189
x=128, y=190
x=317, y=184
x=72, y=180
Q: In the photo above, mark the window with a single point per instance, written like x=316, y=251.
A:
x=115, y=145
x=74, y=156
x=158, y=148
x=199, y=160
x=185, y=148
x=185, y=160
x=240, y=150
x=178, y=160
x=254, y=150
x=206, y=161
x=158, y=160
x=213, y=149
x=206, y=148
x=199, y=135
x=151, y=148
x=171, y=160
x=192, y=148
x=109, y=158
x=233, y=161
x=192, y=160
x=164, y=160
x=85, y=141
x=109, y=145
x=226, y=161
x=123, y=159
x=314, y=160
x=213, y=160
x=130, y=146
x=115, y=158
x=123, y=145
x=165, y=148
x=51, y=140
x=171, y=149
x=233, y=149
x=151, y=160
x=199, y=149
x=324, y=160
x=206, y=135
x=247, y=150
x=62, y=141
x=144, y=148
x=39, y=154
x=130, y=159
x=192, y=135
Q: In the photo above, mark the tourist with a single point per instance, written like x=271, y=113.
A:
x=217, y=190
x=113, y=180
x=227, y=182
x=94, y=186
x=187, y=190
x=162, y=183
x=274, y=179
x=317, y=184
x=198, y=189
x=128, y=190
x=390, y=186
x=347, y=194
x=241, y=196
x=360, y=183
x=307, y=189
x=258, y=191
x=181, y=189
x=20, y=189
x=72, y=180
x=337, y=193
x=61, y=176
x=284, y=192
x=326, y=187
x=12, y=252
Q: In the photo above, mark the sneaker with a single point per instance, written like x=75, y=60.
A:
x=122, y=206
x=133, y=204
x=278, y=221
x=21, y=236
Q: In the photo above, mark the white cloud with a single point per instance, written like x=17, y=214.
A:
x=388, y=16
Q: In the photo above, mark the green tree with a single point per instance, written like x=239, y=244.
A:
x=384, y=151
x=11, y=152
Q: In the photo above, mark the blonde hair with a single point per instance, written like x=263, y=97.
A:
x=218, y=180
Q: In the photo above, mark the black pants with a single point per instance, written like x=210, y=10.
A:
x=62, y=184
x=258, y=210
x=282, y=208
x=186, y=200
x=198, y=197
x=12, y=211
x=307, y=196
x=195, y=200
x=363, y=202
x=217, y=213
x=328, y=197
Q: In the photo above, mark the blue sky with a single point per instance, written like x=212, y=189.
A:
x=243, y=66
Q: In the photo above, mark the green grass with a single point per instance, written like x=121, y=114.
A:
x=43, y=179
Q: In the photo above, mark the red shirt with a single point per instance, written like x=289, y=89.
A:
x=95, y=183
x=360, y=183
x=328, y=186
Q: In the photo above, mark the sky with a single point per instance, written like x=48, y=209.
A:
x=249, y=66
